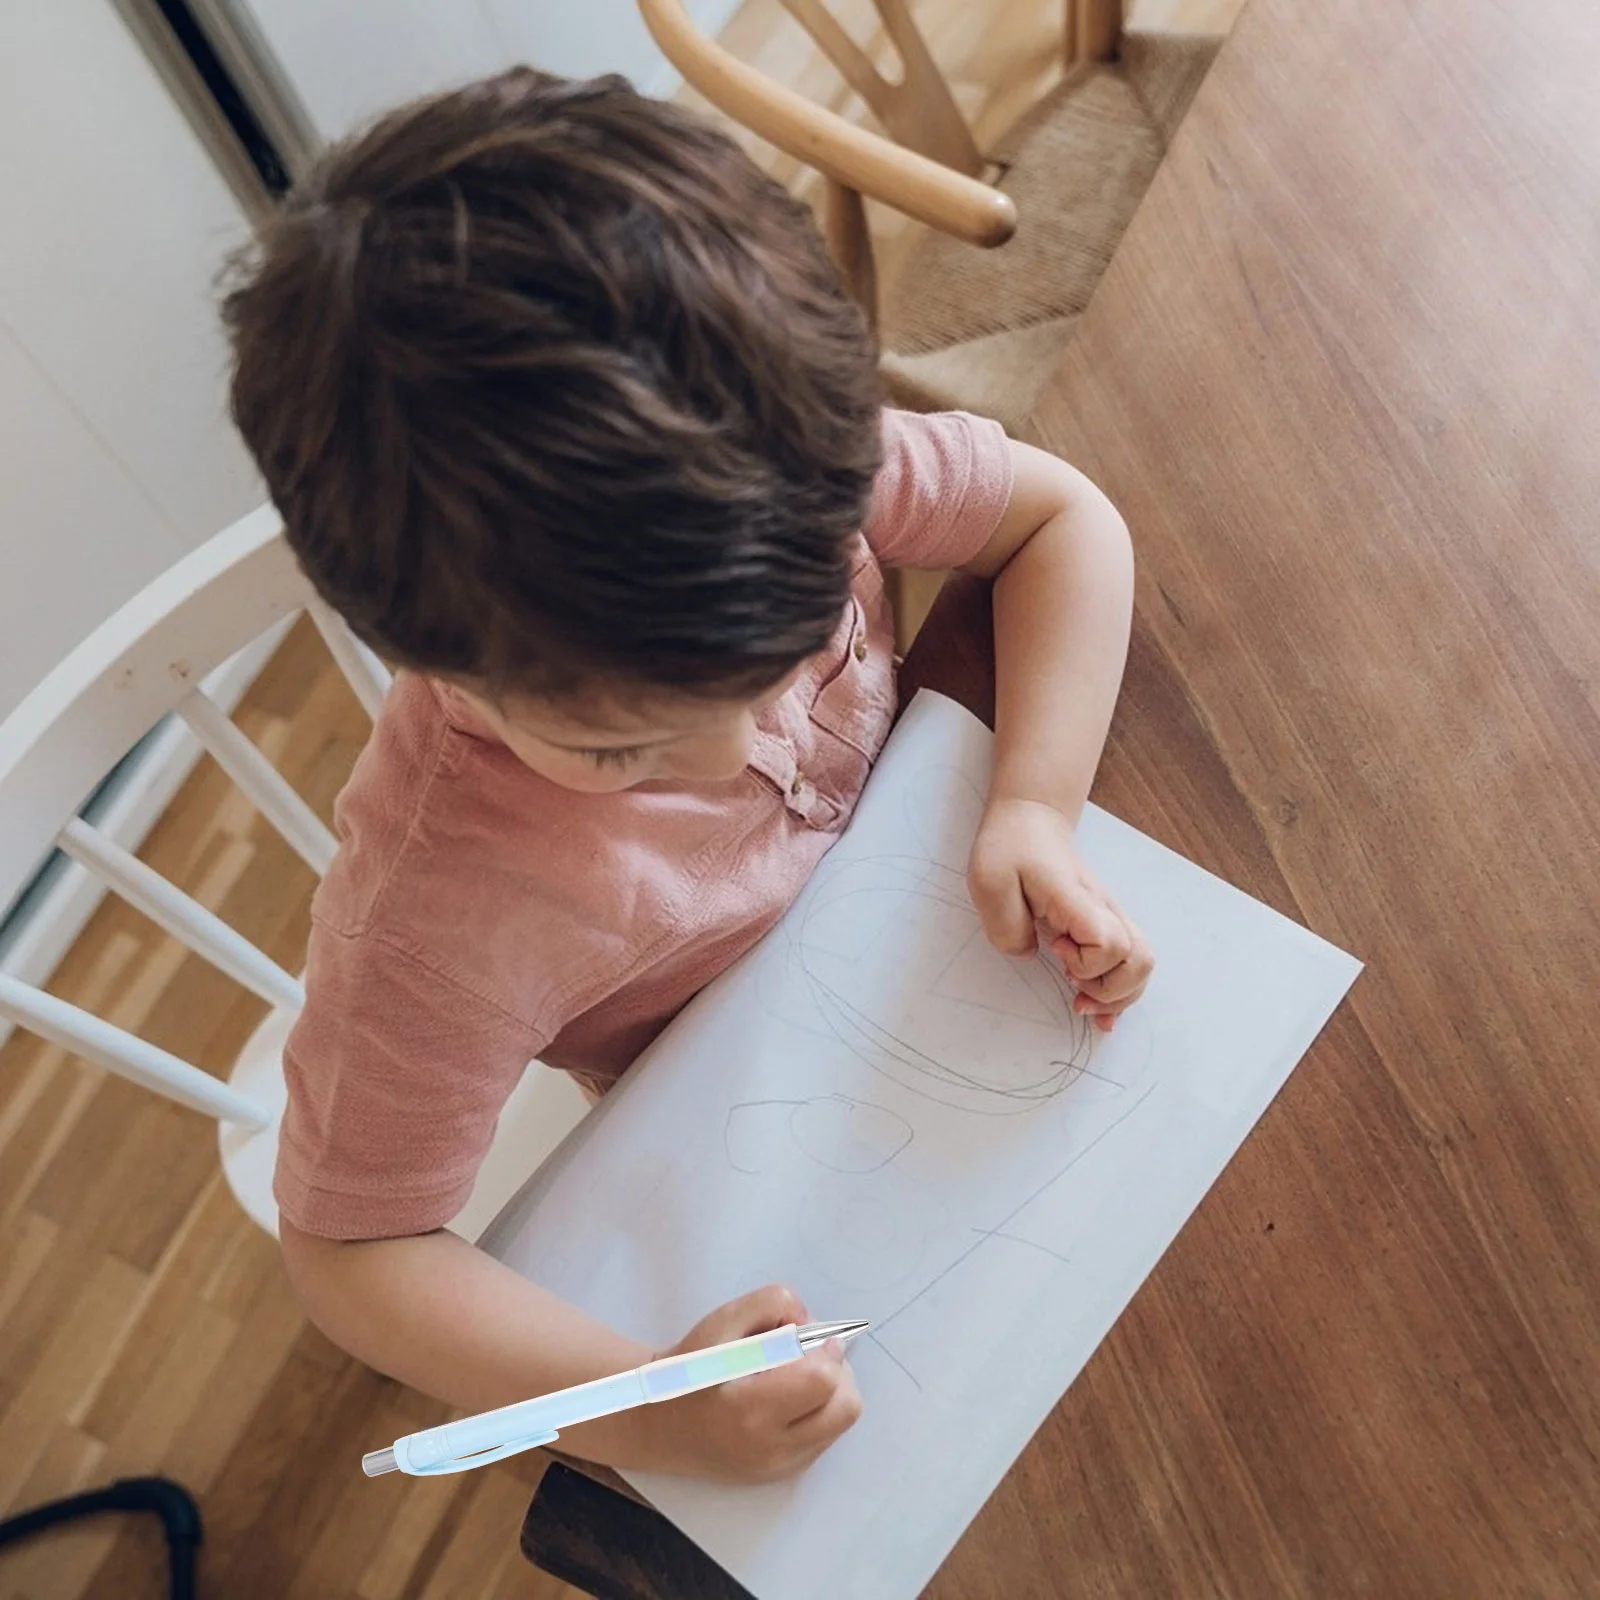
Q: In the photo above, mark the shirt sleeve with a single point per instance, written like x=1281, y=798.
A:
x=944, y=485
x=396, y=1075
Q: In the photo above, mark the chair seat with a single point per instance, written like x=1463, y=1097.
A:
x=982, y=329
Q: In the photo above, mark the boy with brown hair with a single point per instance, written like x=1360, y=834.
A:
x=566, y=411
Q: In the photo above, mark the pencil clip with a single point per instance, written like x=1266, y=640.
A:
x=482, y=1458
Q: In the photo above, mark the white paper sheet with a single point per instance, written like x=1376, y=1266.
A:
x=878, y=1109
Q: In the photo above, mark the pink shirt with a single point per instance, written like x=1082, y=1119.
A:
x=478, y=916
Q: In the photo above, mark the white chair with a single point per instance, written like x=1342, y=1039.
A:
x=148, y=660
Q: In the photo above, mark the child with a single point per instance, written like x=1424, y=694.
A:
x=565, y=410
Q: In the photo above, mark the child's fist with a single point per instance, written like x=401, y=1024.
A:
x=1028, y=882
x=770, y=1425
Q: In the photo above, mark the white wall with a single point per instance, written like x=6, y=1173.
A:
x=350, y=60
x=585, y=37
x=115, y=453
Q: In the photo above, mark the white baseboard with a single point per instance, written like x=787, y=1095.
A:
x=56, y=910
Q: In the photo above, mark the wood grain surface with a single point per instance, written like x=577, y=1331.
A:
x=146, y=1323
x=1343, y=380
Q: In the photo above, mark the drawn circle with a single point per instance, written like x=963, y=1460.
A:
x=984, y=1033
x=870, y=1232
x=848, y=1135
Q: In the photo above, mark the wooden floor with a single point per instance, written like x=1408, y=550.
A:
x=145, y=1325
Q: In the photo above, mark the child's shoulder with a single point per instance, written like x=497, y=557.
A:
x=435, y=812
x=454, y=852
x=946, y=478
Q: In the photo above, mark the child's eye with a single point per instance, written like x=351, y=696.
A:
x=618, y=757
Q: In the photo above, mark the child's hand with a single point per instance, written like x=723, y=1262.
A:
x=1028, y=881
x=768, y=1426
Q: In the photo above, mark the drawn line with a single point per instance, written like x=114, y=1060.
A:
x=1012, y=1215
x=727, y=1124
x=822, y=990
x=869, y=1041
x=977, y=936
x=918, y=1061
x=1032, y=1244
x=943, y=971
x=797, y=1106
x=895, y=1359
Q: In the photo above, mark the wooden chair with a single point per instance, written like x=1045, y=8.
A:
x=151, y=659
x=961, y=328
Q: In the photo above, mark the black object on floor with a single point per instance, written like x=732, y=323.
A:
x=170, y=1501
x=615, y=1548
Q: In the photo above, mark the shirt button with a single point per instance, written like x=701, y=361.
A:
x=861, y=648
x=798, y=784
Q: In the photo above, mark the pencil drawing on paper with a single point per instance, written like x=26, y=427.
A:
x=901, y=1124
x=985, y=1033
x=864, y=1222
x=835, y=1131
x=860, y=1220
x=886, y=959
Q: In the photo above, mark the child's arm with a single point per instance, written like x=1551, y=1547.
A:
x=1063, y=604
x=436, y=1313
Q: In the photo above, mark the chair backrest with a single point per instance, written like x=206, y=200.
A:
x=929, y=167
x=917, y=109
x=149, y=660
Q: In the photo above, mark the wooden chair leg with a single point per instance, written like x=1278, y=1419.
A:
x=911, y=597
x=616, y=1548
x=844, y=226
x=1093, y=30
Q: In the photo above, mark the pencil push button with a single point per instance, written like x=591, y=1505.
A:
x=861, y=647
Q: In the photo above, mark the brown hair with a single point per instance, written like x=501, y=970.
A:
x=553, y=388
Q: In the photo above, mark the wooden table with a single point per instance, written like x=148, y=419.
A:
x=1343, y=378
